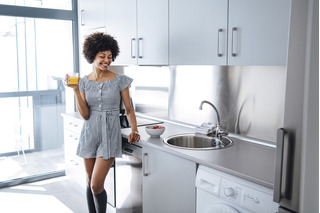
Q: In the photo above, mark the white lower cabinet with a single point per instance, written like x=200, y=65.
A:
x=74, y=164
x=168, y=183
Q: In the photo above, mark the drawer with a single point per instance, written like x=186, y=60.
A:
x=73, y=124
x=76, y=172
x=71, y=141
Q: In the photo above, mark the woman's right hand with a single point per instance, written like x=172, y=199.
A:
x=66, y=81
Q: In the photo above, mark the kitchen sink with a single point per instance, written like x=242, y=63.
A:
x=197, y=141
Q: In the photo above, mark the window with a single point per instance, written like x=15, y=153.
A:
x=37, y=50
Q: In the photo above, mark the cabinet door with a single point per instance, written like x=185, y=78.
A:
x=152, y=32
x=258, y=32
x=121, y=23
x=198, y=32
x=92, y=14
x=168, y=183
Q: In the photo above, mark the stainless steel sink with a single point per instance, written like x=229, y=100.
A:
x=197, y=141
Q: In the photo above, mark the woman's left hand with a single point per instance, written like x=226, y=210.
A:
x=134, y=137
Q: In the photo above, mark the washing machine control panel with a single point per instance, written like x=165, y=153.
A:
x=252, y=197
x=230, y=191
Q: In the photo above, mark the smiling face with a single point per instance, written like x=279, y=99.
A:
x=103, y=60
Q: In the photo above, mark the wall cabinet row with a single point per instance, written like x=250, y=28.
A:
x=195, y=32
x=220, y=32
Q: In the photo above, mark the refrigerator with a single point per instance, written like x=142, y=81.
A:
x=295, y=185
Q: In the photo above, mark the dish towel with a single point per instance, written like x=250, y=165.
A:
x=205, y=128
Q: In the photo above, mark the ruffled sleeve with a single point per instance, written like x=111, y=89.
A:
x=82, y=84
x=125, y=82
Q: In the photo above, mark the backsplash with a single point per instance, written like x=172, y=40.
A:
x=250, y=99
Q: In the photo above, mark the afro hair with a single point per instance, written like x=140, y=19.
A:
x=99, y=42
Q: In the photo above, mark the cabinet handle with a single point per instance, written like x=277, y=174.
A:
x=218, y=46
x=145, y=164
x=233, y=53
x=81, y=21
x=132, y=41
x=140, y=48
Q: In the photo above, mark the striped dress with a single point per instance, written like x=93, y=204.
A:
x=101, y=133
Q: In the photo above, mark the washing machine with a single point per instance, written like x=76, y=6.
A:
x=218, y=192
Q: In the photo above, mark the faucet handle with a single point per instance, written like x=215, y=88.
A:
x=219, y=132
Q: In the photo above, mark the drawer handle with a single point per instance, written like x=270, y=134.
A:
x=74, y=125
x=74, y=162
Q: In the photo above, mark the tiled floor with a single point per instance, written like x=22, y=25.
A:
x=52, y=195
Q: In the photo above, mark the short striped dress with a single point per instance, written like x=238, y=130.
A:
x=101, y=133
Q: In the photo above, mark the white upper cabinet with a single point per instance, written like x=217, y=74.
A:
x=198, y=32
x=141, y=29
x=121, y=22
x=234, y=32
x=92, y=14
x=258, y=32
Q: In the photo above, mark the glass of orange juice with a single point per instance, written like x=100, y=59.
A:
x=73, y=78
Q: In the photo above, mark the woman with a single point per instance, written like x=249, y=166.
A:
x=98, y=99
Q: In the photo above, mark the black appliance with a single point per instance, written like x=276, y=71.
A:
x=140, y=121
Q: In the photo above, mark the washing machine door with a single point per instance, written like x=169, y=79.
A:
x=221, y=208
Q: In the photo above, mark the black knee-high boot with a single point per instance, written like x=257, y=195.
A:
x=100, y=201
x=90, y=201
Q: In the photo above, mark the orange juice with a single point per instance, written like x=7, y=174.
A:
x=73, y=80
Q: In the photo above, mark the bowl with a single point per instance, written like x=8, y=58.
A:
x=155, y=130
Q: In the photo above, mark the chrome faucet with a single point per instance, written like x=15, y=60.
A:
x=217, y=130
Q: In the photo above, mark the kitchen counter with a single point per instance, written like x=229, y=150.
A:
x=247, y=160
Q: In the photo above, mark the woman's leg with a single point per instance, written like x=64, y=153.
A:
x=100, y=171
x=89, y=165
